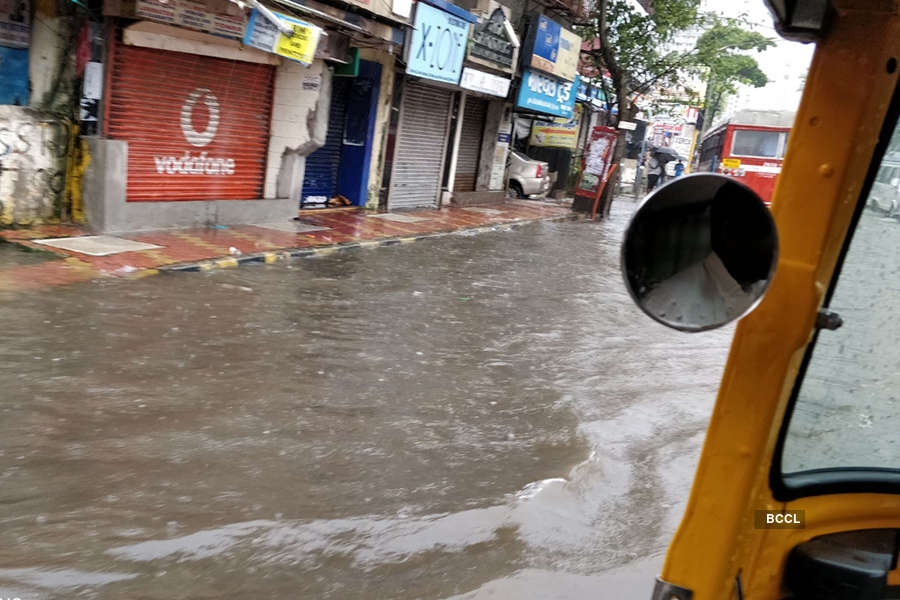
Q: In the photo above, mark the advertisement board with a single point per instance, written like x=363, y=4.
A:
x=546, y=94
x=596, y=161
x=301, y=47
x=553, y=49
x=558, y=133
x=437, y=45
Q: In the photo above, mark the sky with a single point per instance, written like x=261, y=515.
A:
x=785, y=64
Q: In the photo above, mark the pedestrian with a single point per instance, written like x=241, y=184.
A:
x=679, y=168
x=654, y=170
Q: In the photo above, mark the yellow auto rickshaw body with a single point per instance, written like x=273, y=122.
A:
x=718, y=552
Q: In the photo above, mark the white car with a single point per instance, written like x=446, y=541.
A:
x=527, y=177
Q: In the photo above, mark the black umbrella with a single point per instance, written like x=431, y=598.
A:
x=666, y=154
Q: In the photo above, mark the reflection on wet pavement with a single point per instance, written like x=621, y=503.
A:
x=446, y=418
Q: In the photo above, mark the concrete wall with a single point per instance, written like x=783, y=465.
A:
x=382, y=120
x=34, y=140
x=51, y=67
x=299, y=125
x=33, y=148
x=493, y=153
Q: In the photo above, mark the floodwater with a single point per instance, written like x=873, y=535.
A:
x=473, y=416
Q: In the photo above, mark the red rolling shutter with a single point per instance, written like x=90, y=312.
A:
x=197, y=127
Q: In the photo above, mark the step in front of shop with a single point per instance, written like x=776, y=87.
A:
x=480, y=198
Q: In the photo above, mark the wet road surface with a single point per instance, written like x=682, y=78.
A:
x=481, y=415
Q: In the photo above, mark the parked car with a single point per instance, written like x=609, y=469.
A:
x=527, y=177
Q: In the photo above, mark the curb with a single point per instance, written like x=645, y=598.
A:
x=273, y=256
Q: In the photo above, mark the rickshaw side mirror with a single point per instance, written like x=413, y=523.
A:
x=700, y=252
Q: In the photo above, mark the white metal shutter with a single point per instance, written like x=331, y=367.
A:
x=470, y=145
x=421, y=140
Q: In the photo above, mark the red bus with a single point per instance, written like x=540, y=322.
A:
x=750, y=147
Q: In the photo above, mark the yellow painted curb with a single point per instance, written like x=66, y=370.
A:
x=226, y=262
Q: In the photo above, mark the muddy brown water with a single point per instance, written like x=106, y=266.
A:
x=415, y=421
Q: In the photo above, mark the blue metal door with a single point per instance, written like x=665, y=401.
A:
x=322, y=166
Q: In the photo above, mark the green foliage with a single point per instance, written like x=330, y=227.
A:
x=638, y=52
x=721, y=51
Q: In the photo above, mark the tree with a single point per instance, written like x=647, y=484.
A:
x=720, y=51
x=638, y=52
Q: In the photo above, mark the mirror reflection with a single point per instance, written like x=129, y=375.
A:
x=700, y=252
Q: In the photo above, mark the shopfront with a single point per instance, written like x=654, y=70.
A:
x=545, y=101
x=338, y=172
x=434, y=58
x=197, y=127
x=211, y=112
x=489, y=66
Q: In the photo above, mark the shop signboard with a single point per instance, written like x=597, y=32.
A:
x=486, y=83
x=211, y=16
x=264, y=35
x=558, y=133
x=15, y=23
x=438, y=45
x=553, y=49
x=490, y=44
x=546, y=94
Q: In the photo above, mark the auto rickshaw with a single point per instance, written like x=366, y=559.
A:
x=797, y=491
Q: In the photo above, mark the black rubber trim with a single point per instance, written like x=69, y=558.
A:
x=789, y=486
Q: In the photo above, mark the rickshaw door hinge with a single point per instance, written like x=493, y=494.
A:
x=669, y=591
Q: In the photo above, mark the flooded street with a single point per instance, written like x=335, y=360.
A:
x=457, y=417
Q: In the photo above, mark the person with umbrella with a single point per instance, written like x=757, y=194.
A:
x=654, y=171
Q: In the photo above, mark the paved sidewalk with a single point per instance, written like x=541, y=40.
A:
x=316, y=232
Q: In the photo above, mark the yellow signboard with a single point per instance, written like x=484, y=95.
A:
x=265, y=35
x=558, y=133
x=301, y=46
x=731, y=163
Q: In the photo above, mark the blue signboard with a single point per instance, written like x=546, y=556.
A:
x=546, y=42
x=546, y=94
x=438, y=45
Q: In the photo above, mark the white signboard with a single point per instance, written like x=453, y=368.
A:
x=479, y=81
x=629, y=125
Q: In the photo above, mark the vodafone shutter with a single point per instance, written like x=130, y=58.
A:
x=197, y=127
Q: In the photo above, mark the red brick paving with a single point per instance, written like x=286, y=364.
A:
x=194, y=245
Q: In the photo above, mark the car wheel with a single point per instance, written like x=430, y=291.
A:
x=516, y=188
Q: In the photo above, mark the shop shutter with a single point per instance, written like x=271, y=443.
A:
x=470, y=145
x=322, y=166
x=421, y=140
x=197, y=127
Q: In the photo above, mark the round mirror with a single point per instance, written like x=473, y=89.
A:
x=700, y=252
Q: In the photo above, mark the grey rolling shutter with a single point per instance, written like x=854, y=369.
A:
x=421, y=140
x=470, y=145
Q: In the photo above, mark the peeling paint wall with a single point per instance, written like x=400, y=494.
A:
x=382, y=120
x=35, y=140
x=33, y=150
x=299, y=125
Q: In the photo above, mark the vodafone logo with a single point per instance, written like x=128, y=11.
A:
x=202, y=164
x=194, y=137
